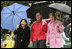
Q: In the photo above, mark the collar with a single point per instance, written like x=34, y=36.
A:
x=54, y=21
x=39, y=21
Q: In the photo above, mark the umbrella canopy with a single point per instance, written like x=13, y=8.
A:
x=43, y=9
x=11, y=16
x=61, y=7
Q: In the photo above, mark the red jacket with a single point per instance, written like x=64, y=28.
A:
x=38, y=31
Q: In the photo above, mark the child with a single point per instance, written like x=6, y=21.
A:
x=12, y=34
x=8, y=43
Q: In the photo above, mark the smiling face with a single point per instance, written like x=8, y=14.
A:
x=52, y=17
x=23, y=23
x=38, y=16
x=7, y=37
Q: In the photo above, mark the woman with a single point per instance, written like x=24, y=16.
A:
x=23, y=35
x=54, y=36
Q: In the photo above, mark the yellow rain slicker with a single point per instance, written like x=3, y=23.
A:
x=8, y=43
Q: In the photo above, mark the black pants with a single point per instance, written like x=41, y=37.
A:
x=21, y=44
x=39, y=44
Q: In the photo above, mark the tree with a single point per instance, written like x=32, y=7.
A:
x=7, y=3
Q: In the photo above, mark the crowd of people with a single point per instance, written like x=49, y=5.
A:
x=41, y=34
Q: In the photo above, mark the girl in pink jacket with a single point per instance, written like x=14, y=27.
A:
x=54, y=36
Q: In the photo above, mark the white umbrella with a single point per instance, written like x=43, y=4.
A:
x=61, y=7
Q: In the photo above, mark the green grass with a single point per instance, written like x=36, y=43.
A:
x=68, y=45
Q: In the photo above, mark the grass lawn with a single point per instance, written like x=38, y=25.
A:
x=67, y=45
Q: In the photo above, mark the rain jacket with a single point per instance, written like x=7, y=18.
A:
x=38, y=31
x=8, y=43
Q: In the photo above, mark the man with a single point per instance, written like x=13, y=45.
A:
x=38, y=30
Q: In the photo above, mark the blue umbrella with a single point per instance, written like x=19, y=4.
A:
x=11, y=16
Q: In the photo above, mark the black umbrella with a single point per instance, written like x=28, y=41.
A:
x=43, y=9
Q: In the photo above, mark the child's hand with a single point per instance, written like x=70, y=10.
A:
x=12, y=34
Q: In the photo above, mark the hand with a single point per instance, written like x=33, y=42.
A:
x=67, y=39
x=57, y=25
x=12, y=34
x=47, y=45
x=43, y=22
x=30, y=44
x=29, y=21
x=17, y=27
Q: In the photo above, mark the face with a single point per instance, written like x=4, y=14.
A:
x=7, y=37
x=51, y=18
x=9, y=31
x=38, y=16
x=23, y=23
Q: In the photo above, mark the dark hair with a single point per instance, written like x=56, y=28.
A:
x=38, y=12
x=53, y=14
x=21, y=21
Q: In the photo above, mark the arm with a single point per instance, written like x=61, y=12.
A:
x=12, y=34
x=28, y=33
x=4, y=44
x=47, y=37
x=44, y=28
x=64, y=36
x=15, y=32
x=60, y=28
x=13, y=44
x=31, y=36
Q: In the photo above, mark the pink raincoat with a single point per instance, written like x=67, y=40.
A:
x=54, y=36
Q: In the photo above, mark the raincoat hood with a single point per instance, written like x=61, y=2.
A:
x=9, y=36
